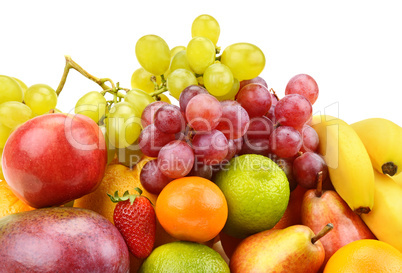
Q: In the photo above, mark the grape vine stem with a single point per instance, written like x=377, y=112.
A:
x=72, y=64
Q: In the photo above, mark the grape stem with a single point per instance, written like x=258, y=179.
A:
x=159, y=89
x=101, y=81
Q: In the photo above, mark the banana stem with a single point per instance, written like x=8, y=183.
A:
x=71, y=64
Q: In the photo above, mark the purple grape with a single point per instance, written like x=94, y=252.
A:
x=304, y=85
x=255, y=98
x=255, y=146
x=188, y=93
x=306, y=168
x=201, y=170
x=203, y=112
x=169, y=119
x=258, y=80
x=152, y=179
x=260, y=128
x=151, y=140
x=310, y=139
x=293, y=110
x=232, y=150
x=234, y=121
x=147, y=116
x=285, y=141
x=210, y=148
x=176, y=159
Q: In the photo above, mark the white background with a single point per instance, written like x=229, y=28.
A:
x=353, y=49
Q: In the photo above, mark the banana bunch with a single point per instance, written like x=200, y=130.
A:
x=349, y=164
x=383, y=141
x=385, y=219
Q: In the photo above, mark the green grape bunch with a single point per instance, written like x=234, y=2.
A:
x=198, y=63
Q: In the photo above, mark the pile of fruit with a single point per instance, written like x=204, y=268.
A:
x=229, y=177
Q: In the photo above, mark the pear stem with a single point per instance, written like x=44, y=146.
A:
x=318, y=191
x=322, y=233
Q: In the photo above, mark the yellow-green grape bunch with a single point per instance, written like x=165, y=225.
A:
x=218, y=79
x=232, y=93
x=200, y=53
x=206, y=26
x=92, y=105
x=138, y=99
x=123, y=124
x=176, y=50
x=14, y=113
x=246, y=61
x=180, y=79
x=153, y=54
x=23, y=86
x=41, y=98
x=10, y=90
x=179, y=60
x=141, y=79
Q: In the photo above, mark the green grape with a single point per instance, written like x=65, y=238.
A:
x=10, y=90
x=179, y=61
x=178, y=80
x=153, y=54
x=139, y=99
x=130, y=155
x=141, y=79
x=123, y=125
x=41, y=98
x=246, y=61
x=23, y=86
x=206, y=26
x=175, y=50
x=200, y=54
x=218, y=79
x=14, y=113
x=232, y=93
x=4, y=134
x=92, y=105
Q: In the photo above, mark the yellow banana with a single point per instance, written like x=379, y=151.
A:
x=398, y=178
x=385, y=219
x=349, y=164
x=383, y=141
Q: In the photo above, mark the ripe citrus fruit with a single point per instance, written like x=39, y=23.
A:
x=117, y=178
x=192, y=209
x=257, y=193
x=184, y=257
x=366, y=255
x=9, y=203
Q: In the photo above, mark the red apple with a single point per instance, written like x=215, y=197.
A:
x=54, y=158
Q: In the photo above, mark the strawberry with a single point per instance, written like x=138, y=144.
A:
x=134, y=216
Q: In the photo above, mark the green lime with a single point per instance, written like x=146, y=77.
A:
x=184, y=257
x=257, y=193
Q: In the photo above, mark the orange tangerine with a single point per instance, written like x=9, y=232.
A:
x=192, y=209
x=9, y=203
x=365, y=255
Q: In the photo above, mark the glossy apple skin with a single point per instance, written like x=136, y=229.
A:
x=317, y=211
x=279, y=250
x=54, y=158
x=61, y=239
